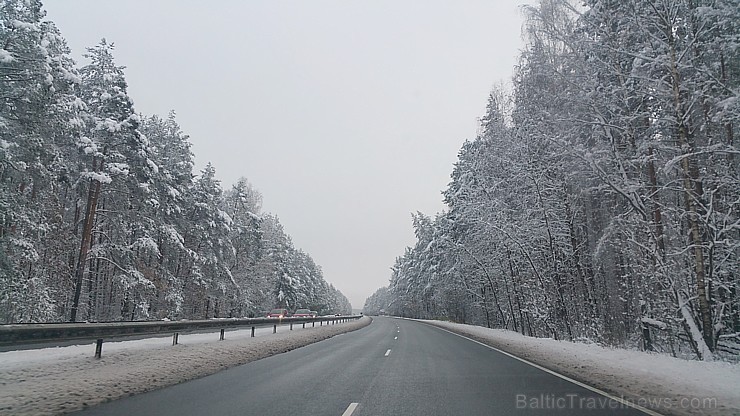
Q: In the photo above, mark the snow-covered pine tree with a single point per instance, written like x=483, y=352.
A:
x=38, y=122
x=115, y=179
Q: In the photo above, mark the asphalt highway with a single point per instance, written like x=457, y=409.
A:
x=391, y=367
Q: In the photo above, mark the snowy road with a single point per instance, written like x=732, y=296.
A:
x=391, y=367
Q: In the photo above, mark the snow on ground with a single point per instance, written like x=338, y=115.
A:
x=658, y=382
x=61, y=380
x=65, y=379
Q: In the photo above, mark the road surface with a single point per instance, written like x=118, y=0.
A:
x=391, y=367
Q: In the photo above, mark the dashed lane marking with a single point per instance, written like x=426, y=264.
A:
x=350, y=409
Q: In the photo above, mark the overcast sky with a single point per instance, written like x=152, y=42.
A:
x=346, y=115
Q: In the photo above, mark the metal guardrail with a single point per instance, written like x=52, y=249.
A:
x=23, y=334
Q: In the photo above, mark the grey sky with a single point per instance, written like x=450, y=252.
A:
x=346, y=115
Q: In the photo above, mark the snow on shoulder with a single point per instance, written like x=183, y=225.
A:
x=667, y=385
x=54, y=381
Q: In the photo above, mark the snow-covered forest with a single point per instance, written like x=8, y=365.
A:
x=600, y=200
x=101, y=214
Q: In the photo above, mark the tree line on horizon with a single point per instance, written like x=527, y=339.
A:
x=600, y=200
x=102, y=217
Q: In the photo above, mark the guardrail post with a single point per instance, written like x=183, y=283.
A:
x=175, y=336
x=98, y=347
x=304, y=325
x=222, y=335
x=252, y=332
x=274, y=329
x=291, y=326
x=313, y=324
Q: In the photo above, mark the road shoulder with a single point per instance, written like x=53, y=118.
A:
x=73, y=384
x=642, y=378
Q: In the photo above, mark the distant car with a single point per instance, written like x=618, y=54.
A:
x=303, y=313
x=278, y=313
x=314, y=314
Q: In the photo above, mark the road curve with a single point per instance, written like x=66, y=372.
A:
x=391, y=367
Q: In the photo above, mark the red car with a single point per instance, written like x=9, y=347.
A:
x=278, y=313
x=303, y=313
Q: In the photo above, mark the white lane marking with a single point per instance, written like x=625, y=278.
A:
x=350, y=409
x=387, y=353
x=566, y=378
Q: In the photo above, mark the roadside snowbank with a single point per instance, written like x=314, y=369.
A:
x=661, y=383
x=61, y=380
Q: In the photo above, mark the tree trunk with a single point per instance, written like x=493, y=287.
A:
x=691, y=194
x=92, y=204
x=657, y=215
